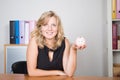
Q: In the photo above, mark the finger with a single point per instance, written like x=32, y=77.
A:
x=82, y=47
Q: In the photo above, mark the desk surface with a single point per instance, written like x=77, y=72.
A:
x=26, y=77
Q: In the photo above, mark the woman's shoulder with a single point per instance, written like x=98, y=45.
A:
x=32, y=41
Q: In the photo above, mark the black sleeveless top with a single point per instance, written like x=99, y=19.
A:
x=43, y=61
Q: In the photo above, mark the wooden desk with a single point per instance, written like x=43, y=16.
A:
x=26, y=77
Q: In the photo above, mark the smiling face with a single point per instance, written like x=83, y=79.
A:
x=49, y=30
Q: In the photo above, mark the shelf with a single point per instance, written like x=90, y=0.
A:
x=117, y=50
x=13, y=53
x=16, y=45
x=115, y=19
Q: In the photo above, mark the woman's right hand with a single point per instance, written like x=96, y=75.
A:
x=61, y=73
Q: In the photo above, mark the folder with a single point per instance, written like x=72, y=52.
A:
x=12, y=32
x=118, y=44
x=17, y=31
x=118, y=9
x=114, y=36
x=32, y=26
x=21, y=31
x=27, y=32
x=113, y=9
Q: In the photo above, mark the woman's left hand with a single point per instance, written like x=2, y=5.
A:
x=80, y=43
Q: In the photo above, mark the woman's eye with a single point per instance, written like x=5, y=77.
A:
x=44, y=24
x=53, y=24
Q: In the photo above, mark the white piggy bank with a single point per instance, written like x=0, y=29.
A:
x=80, y=41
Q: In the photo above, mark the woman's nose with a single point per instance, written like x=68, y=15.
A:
x=49, y=27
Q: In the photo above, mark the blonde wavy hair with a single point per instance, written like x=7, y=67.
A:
x=37, y=34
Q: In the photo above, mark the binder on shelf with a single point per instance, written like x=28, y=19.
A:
x=113, y=9
x=114, y=36
x=21, y=32
x=17, y=31
x=32, y=25
x=12, y=32
x=27, y=32
x=118, y=35
x=118, y=42
x=118, y=9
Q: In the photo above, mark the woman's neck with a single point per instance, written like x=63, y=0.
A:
x=50, y=43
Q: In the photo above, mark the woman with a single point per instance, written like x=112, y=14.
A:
x=49, y=52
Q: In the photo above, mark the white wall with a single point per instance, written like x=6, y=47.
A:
x=79, y=17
